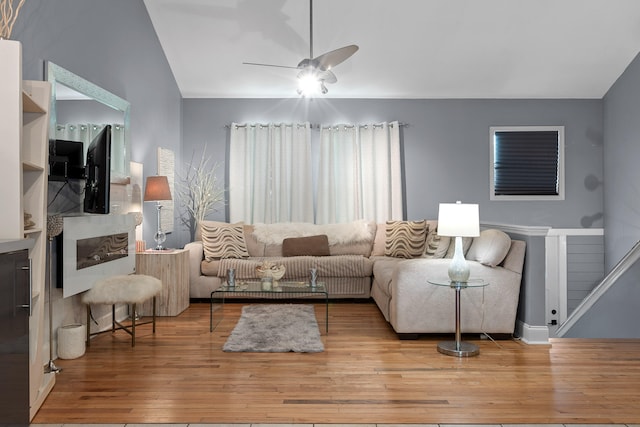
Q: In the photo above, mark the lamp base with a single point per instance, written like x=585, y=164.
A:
x=459, y=349
x=458, y=268
x=51, y=368
x=160, y=238
x=160, y=235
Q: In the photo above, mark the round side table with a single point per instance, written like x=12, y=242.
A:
x=458, y=347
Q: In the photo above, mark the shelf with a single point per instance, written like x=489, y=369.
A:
x=29, y=105
x=24, y=135
x=30, y=166
x=32, y=231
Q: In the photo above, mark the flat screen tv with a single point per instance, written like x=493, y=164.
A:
x=66, y=160
x=98, y=170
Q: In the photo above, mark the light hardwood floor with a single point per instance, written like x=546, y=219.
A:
x=365, y=375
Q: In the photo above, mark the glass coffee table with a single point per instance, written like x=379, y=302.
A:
x=458, y=347
x=267, y=291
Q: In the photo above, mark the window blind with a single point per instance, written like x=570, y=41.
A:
x=526, y=163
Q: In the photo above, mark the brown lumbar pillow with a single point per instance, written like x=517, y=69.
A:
x=311, y=246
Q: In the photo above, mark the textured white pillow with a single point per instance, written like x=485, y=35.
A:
x=222, y=240
x=405, y=239
x=490, y=248
x=436, y=246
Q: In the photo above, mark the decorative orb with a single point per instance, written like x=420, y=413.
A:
x=54, y=225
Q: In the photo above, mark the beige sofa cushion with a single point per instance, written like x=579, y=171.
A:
x=490, y=248
x=254, y=247
x=379, y=240
x=297, y=268
x=405, y=239
x=222, y=240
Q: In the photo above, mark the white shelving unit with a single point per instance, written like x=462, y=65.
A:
x=24, y=107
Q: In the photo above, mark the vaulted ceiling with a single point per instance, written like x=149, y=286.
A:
x=408, y=48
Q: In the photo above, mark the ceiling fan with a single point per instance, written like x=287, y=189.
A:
x=316, y=71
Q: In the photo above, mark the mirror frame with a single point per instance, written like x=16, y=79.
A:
x=56, y=74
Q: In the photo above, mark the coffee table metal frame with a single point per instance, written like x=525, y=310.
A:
x=458, y=347
x=277, y=290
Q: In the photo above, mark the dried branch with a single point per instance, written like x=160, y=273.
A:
x=199, y=192
x=8, y=16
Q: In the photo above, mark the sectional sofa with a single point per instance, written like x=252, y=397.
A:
x=392, y=263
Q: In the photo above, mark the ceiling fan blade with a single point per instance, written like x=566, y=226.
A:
x=329, y=60
x=268, y=65
x=327, y=76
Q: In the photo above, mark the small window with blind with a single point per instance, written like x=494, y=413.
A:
x=527, y=163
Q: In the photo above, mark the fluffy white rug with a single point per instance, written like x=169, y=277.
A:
x=348, y=232
x=276, y=328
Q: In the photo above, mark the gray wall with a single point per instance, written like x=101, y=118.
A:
x=112, y=44
x=446, y=146
x=616, y=314
x=532, y=303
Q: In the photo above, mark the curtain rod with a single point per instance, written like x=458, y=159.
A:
x=313, y=126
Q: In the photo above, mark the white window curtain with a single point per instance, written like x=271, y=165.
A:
x=359, y=175
x=270, y=175
x=86, y=132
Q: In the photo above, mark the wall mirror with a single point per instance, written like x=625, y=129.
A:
x=78, y=110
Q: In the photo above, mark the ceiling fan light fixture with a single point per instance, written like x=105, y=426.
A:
x=316, y=70
x=310, y=85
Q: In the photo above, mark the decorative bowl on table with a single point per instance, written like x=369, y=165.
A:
x=270, y=269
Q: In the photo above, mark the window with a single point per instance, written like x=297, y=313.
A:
x=527, y=163
x=271, y=173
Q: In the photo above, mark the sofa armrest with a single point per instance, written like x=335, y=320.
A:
x=196, y=255
x=514, y=260
x=420, y=307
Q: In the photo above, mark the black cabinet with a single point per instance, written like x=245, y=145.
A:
x=15, y=302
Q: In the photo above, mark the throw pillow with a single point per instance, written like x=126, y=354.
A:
x=466, y=244
x=222, y=240
x=310, y=246
x=436, y=246
x=405, y=239
x=490, y=248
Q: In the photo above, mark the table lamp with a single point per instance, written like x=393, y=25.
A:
x=156, y=190
x=458, y=220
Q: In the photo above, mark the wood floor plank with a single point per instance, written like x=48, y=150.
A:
x=365, y=375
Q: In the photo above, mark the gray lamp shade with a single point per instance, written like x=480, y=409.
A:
x=157, y=189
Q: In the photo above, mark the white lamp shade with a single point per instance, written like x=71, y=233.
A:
x=458, y=219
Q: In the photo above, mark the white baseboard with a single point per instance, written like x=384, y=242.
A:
x=532, y=334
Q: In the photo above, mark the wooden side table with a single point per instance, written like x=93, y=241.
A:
x=172, y=268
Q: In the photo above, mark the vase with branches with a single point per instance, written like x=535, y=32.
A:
x=199, y=192
x=8, y=15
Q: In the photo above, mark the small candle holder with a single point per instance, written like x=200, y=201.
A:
x=267, y=283
x=231, y=278
x=314, y=277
